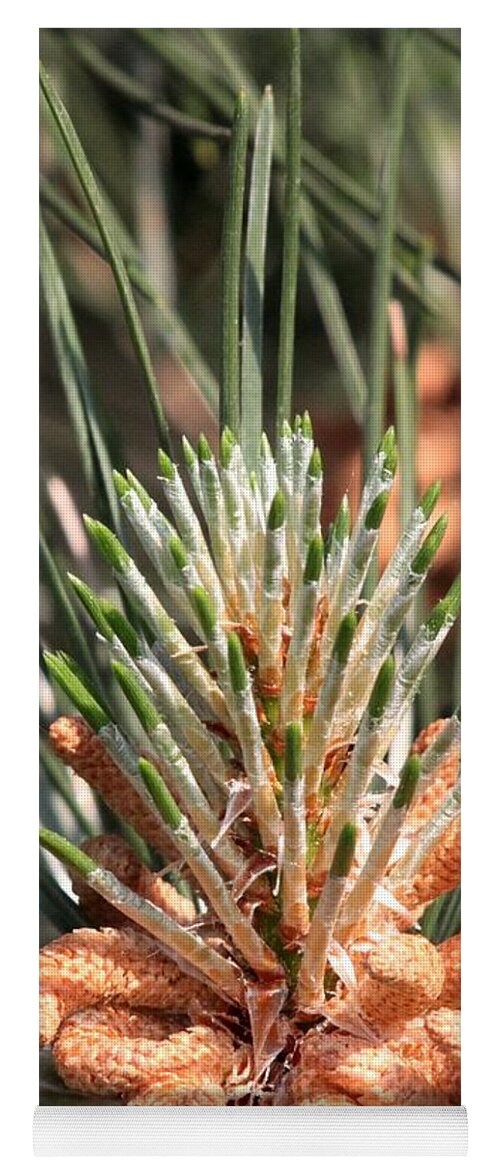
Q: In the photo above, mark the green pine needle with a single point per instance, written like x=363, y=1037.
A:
x=140, y=491
x=430, y=499
x=410, y=774
x=108, y=545
x=293, y=752
x=290, y=232
x=67, y=853
x=382, y=690
x=121, y=627
x=376, y=512
x=157, y=789
x=342, y=521
x=77, y=691
x=92, y=605
x=189, y=453
x=343, y=642
x=315, y=469
x=344, y=853
x=205, y=610
x=231, y=261
x=430, y=546
x=179, y=553
x=237, y=666
x=121, y=484
x=205, y=453
x=277, y=512
x=137, y=697
x=314, y=560
x=166, y=465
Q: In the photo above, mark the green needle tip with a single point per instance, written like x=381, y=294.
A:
x=389, y=450
x=66, y=852
x=293, y=752
x=229, y=435
x=343, y=642
x=157, y=789
x=314, y=560
x=344, y=853
x=205, y=610
x=237, y=666
x=138, y=700
x=77, y=690
x=140, y=491
x=227, y=443
x=189, y=453
x=265, y=447
x=121, y=484
x=108, y=545
x=179, y=553
x=429, y=547
x=410, y=774
x=166, y=465
x=445, y=611
x=376, y=512
x=91, y=604
x=315, y=469
x=430, y=499
x=342, y=521
x=276, y=518
x=121, y=627
x=205, y=453
x=307, y=429
x=453, y=597
x=382, y=690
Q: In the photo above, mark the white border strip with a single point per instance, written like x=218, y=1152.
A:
x=283, y=1130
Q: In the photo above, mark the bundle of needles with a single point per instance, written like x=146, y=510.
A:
x=265, y=692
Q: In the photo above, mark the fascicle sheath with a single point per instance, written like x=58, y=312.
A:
x=321, y=728
x=191, y=532
x=294, y=681
x=194, y=801
x=178, y=712
x=172, y=640
x=293, y=888
x=272, y=609
x=216, y=518
x=382, y=849
x=310, y=989
x=218, y=971
x=256, y=953
x=360, y=769
x=264, y=801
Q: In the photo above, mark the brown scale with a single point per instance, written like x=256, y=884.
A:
x=143, y=1057
x=248, y=634
x=450, y=955
x=404, y=976
x=440, y=871
x=432, y=1047
x=270, y=687
x=337, y=1069
x=86, y=968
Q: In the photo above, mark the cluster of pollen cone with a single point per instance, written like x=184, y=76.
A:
x=263, y=947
